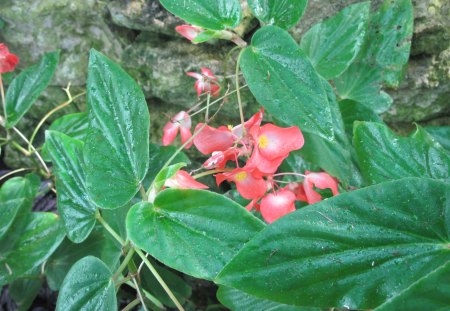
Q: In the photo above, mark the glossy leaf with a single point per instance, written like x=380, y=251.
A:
x=99, y=244
x=75, y=207
x=27, y=86
x=284, y=81
x=237, y=300
x=385, y=156
x=216, y=15
x=24, y=290
x=196, y=232
x=353, y=251
x=282, y=13
x=333, y=44
x=116, y=148
x=74, y=125
x=432, y=292
x=352, y=111
x=441, y=134
x=87, y=286
x=39, y=238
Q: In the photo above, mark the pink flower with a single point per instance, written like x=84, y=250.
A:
x=8, y=61
x=248, y=185
x=305, y=191
x=182, y=180
x=210, y=139
x=206, y=82
x=277, y=204
x=182, y=122
x=188, y=31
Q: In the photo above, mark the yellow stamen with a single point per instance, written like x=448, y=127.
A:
x=241, y=176
x=230, y=127
x=263, y=141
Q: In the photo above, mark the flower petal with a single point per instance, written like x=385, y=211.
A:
x=323, y=181
x=274, y=142
x=170, y=132
x=277, y=204
x=248, y=186
x=211, y=139
x=188, y=31
x=182, y=180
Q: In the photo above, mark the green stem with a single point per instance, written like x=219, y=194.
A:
x=149, y=296
x=108, y=228
x=238, y=93
x=138, y=290
x=131, y=305
x=2, y=92
x=143, y=194
x=124, y=263
x=13, y=172
x=227, y=57
x=160, y=280
x=220, y=170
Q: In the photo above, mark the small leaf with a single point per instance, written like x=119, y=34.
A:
x=215, y=15
x=24, y=290
x=75, y=207
x=282, y=13
x=333, y=44
x=87, y=286
x=116, y=148
x=354, y=251
x=284, y=81
x=39, y=238
x=441, y=134
x=385, y=156
x=352, y=111
x=167, y=173
x=196, y=232
x=27, y=86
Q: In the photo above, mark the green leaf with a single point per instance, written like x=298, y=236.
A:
x=282, y=13
x=41, y=235
x=362, y=83
x=215, y=15
x=384, y=156
x=167, y=173
x=87, y=286
x=116, y=148
x=27, y=87
x=99, y=244
x=352, y=111
x=388, y=42
x=75, y=207
x=334, y=44
x=237, y=300
x=24, y=290
x=284, y=81
x=354, y=251
x=441, y=134
x=196, y=232
x=16, y=198
x=74, y=125
x=432, y=292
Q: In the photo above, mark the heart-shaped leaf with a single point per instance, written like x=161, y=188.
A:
x=333, y=44
x=385, y=156
x=282, y=13
x=27, y=87
x=116, y=149
x=75, y=207
x=352, y=111
x=87, y=286
x=196, y=232
x=216, y=15
x=284, y=81
x=356, y=250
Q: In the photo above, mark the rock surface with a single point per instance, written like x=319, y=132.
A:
x=140, y=35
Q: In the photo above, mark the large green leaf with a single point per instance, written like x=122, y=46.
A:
x=27, y=86
x=87, y=286
x=281, y=13
x=216, y=15
x=196, y=232
x=429, y=293
x=333, y=44
x=99, y=244
x=237, y=300
x=284, y=81
x=384, y=156
x=352, y=111
x=75, y=207
x=74, y=125
x=356, y=250
x=116, y=149
x=39, y=238
x=16, y=198
x=441, y=134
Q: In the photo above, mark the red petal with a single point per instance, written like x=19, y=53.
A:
x=208, y=73
x=262, y=164
x=8, y=61
x=249, y=186
x=277, y=204
x=298, y=190
x=311, y=195
x=215, y=90
x=185, y=135
x=195, y=75
x=182, y=180
x=211, y=139
x=170, y=132
x=323, y=181
x=188, y=31
x=274, y=142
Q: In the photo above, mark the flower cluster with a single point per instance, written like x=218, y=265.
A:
x=8, y=61
x=257, y=152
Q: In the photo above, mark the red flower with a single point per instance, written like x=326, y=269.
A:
x=305, y=192
x=205, y=82
x=211, y=139
x=181, y=121
x=248, y=185
x=182, y=180
x=277, y=204
x=188, y=31
x=8, y=61
x=220, y=158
